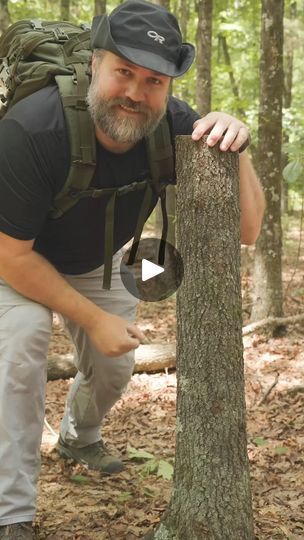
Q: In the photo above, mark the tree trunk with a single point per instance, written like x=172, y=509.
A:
x=287, y=97
x=65, y=10
x=5, y=20
x=203, y=55
x=267, y=296
x=211, y=497
x=100, y=7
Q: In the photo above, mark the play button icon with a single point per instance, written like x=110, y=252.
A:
x=155, y=273
x=150, y=270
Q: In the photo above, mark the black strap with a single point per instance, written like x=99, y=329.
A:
x=109, y=241
x=162, y=245
x=145, y=207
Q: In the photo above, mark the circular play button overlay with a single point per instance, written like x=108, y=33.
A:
x=154, y=273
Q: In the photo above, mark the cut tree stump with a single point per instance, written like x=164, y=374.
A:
x=149, y=358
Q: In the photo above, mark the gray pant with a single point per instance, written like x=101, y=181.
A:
x=25, y=330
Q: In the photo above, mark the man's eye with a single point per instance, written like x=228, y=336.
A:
x=155, y=81
x=124, y=72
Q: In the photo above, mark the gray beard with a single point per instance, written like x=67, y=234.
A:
x=119, y=129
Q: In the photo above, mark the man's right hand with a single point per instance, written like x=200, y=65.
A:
x=114, y=336
x=34, y=277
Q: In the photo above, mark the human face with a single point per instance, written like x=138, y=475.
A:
x=126, y=101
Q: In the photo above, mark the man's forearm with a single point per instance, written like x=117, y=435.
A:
x=252, y=201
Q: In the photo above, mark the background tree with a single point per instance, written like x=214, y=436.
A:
x=211, y=490
x=268, y=296
x=65, y=10
x=203, y=55
x=4, y=15
x=100, y=7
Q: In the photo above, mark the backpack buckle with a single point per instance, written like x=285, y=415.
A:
x=85, y=26
x=36, y=24
x=60, y=34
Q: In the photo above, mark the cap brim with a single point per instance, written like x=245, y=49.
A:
x=102, y=39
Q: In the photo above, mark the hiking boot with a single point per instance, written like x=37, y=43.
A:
x=95, y=456
x=17, y=531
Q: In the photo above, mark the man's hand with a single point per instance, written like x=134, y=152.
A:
x=114, y=336
x=219, y=125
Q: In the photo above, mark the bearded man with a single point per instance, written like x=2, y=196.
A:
x=57, y=265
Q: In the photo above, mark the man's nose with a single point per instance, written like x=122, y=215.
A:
x=135, y=91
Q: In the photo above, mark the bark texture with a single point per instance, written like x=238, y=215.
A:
x=100, y=7
x=267, y=296
x=211, y=497
x=65, y=10
x=203, y=55
x=4, y=16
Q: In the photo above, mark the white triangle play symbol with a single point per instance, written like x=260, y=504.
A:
x=150, y=270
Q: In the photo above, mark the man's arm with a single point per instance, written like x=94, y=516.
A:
x=252, y=201
x=34, y=277
x=233, y=134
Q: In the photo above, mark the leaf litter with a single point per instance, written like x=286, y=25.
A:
x=75, y=503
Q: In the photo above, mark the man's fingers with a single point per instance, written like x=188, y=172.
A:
x=232, y=133
x=241, y=142
x=134, y=332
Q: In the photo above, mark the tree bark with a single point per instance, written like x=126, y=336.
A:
x=100, y=7
x=267, y=295
x=5, y=19
x=287, y=97
x=211, y=497
x=203, y=55
x=65, y=10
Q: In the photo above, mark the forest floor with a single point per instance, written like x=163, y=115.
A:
x=75, y=503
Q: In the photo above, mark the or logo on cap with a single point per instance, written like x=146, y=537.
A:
x=154, y=35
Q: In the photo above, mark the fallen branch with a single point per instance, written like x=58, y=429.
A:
x=148, y=358
x=155, y=356
x=272, y=321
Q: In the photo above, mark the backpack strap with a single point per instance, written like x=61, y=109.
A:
x=73, y=92
x=160, y=155
x=161, y=164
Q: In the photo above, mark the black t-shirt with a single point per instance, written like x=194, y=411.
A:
x=34, y=164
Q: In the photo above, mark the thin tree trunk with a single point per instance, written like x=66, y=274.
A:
x=211, y=497
x=234, y=86
x=287, y=97
x=5, y=20
x=100, y=7
x=203, y=55
x=65, y=10
x=267, y=296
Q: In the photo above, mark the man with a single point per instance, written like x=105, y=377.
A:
x=57, y=264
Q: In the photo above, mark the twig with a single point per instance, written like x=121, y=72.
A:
x=266, y=394
x=50, y=429
x=272, y=321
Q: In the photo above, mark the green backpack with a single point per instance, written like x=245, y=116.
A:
x=35, y=53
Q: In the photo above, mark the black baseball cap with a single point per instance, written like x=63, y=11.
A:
x=146, y=34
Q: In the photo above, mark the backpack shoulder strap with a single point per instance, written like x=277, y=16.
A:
x=81, y=133
x=160, y=155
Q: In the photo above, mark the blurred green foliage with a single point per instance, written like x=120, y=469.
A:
x=238, y=21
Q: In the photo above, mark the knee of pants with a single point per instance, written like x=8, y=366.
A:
x=25, y=332
x=115, y=373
